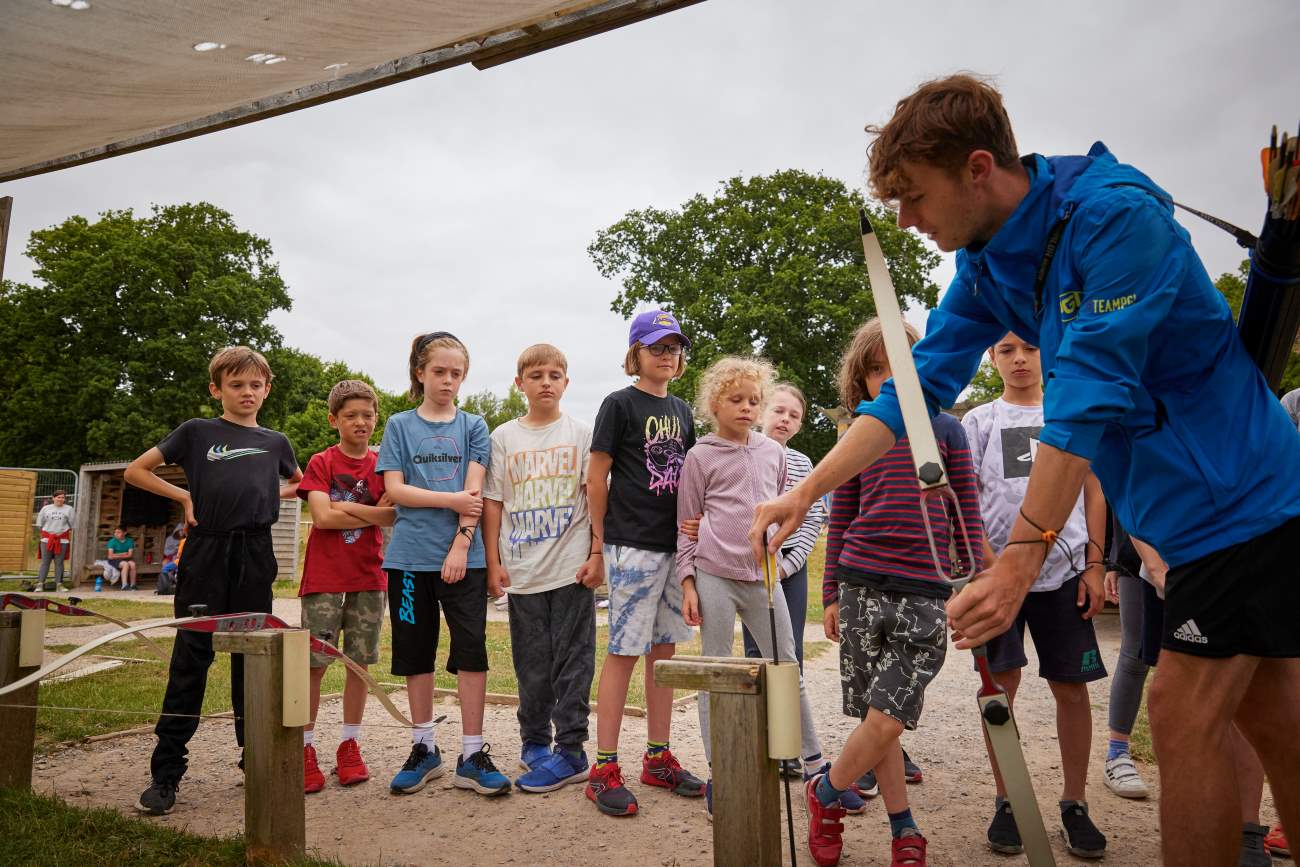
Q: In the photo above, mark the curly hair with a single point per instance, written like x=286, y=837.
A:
x=867, y=345
x=724, y=374
x=939, y=125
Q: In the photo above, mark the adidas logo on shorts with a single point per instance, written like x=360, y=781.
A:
x=1189, y=632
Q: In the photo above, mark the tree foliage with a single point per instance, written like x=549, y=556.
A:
x=496, y=411
x=986, y=386
x=111, y=351
x=769, y=265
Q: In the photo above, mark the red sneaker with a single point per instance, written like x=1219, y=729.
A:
x=605, y=789
x=312, y=779
x=909, y=850
x=348, y=764
x=1276, y=843
x=825, y=826
x=664, y=771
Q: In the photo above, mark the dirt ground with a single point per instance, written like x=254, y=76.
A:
x=441, y=825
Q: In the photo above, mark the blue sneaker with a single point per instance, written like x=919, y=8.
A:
x=478, y=773
x=850, y=800
x=421, y=767
x=557, y=770
x=532, y=754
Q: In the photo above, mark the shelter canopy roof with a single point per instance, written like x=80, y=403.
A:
x=82, y=80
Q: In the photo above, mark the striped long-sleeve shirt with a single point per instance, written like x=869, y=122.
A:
x=877, y=535
x=795, y=551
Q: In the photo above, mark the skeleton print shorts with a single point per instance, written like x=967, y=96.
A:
x=891, y=646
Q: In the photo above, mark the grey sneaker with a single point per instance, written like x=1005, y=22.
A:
x=158, y=799
x=1253, y=852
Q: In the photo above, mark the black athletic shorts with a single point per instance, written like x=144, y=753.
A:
x=413, y=602
x=1240, y=600
x=1065, y=642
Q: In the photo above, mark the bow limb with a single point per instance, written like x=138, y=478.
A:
x=78, y=652
x=373, y=686
x=18, y=600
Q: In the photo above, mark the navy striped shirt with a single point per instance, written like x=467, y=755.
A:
x=877, y=535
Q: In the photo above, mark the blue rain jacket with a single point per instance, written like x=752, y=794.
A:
x=1145, y=374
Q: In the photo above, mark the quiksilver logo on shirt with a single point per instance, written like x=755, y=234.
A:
x=436, y=459
x=226, y=453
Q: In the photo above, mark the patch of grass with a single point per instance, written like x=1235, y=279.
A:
x=285, y=589
x=123, y=609
x=44, y=830
x=816, y=569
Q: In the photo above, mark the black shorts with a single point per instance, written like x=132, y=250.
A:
x=1066, y=643
x=413, y=602
x=1240, y=600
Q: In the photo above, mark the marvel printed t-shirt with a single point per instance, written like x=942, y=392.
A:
x=538, y=474
x=233, y=472
x=121, y=547
x=1003, y=444
x=647, y=437
x=433, y=455
x=343, y=561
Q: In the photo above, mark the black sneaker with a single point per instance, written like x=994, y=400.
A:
x=1082, y=839
x=158, y=799
x=792, y=768
x=1253, y=851
x=911, y=770
x=1004, y=836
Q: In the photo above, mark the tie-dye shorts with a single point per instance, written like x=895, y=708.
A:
x=645, y=600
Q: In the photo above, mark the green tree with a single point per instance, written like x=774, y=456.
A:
x=110, y=351
x=769, y=265
x=302, y=410
x=986, y=386
x=496, y=411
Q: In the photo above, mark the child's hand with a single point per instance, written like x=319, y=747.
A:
x=1112, y=586
x=1091, y=598
x=453, y=567
x=592, y=572
x=468, y=503
x=831, y=621
x=690, y=604
x=497, y=580
x=691, y=528
x=385, y=502
x=187, y=505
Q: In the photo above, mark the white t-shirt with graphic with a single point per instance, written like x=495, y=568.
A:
x=539, y=476
x=1003, y=444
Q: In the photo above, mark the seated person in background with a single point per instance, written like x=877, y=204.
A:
x=121, y=553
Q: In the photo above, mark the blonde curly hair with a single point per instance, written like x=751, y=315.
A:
x=725, y=373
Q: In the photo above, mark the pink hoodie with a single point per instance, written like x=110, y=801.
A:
x=725, y=481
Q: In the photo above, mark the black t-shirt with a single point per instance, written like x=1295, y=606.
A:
x=233, y=471
x=647, y=437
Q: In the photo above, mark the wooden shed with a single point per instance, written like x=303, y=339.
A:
x=101, y=495
x=17, y=490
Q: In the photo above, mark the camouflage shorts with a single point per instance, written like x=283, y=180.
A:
x=359, y=616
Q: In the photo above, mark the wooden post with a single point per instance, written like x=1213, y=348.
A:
x=746, y=788
x=17, y=724
x=275, y=818
x=6, y=210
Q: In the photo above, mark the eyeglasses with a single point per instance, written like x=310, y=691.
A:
x=659, y=349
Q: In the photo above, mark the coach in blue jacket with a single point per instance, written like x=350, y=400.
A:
x=1148, y=385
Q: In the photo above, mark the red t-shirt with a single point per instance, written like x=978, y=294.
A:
x=343, y=561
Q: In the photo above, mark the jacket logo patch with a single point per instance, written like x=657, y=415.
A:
x=1110, y=305
x=1070, y=302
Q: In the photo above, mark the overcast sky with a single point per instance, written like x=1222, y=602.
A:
x=465, y=200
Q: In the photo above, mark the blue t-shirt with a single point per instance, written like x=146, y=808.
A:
x=433, y=455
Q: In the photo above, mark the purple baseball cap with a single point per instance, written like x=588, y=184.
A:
x=653, y=326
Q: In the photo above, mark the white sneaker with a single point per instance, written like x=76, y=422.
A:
x=1122, y=777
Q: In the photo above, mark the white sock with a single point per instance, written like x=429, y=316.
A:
x=423, y=734
x=350, y=732
x=814, y=763
x=308, y=737
x=470, y=744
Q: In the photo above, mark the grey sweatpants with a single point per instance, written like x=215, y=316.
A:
x=1130, y=670
x=721, y=599
x=553, y=642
